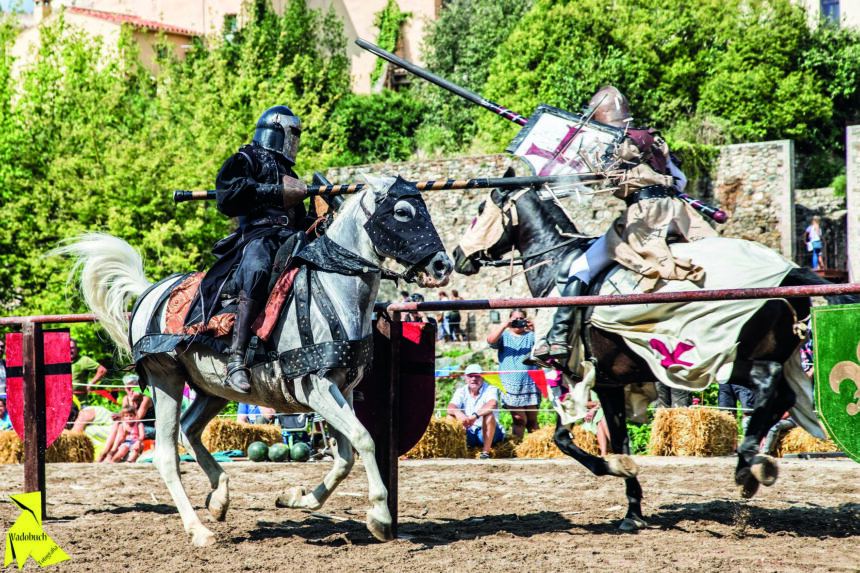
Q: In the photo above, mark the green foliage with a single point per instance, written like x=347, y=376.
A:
x=388, y=21
x=709, y=72
x=377, y=127
x=458, y=46
x=640, y=437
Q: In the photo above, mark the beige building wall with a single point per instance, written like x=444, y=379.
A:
x=849, y=11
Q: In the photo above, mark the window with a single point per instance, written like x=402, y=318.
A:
x=830, y=11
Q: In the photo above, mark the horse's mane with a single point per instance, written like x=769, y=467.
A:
x=552, y=213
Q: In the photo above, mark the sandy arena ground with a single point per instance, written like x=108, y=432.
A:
x=461, y=515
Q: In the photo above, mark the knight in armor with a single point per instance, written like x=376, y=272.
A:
x=258, y=185
x=649, y=183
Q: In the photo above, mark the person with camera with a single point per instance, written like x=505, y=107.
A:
x=514, y=340
x=417, y=316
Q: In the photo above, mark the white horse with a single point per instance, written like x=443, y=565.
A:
x=387, y=220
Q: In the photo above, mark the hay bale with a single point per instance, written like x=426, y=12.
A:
x=699, y=432
x=503, y=450
x=74, y=447
x=444, y=438
x=11, y=448
x=223, y=434
x=799, y=441
x=541, y=444
x=71, y=447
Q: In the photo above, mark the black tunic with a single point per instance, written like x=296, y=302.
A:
x=263, y=226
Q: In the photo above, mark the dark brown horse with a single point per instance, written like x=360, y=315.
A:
x=539, y=229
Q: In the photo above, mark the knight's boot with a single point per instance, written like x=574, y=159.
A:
x=565, y=322
x=238, y=374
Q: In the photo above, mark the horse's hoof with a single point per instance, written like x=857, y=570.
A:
x=380, y=526
x=747, y=482
x=291, y=498
x=623, y=466
x=765, y=470
x=632, y=524
x=217, y=508
x=202, y=537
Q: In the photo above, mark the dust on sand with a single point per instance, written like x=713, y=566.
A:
x=460, y=515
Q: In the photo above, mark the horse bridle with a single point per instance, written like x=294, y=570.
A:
x=513, y=221
x=407, y=276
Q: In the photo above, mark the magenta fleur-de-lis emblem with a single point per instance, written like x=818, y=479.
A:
x=671, y=357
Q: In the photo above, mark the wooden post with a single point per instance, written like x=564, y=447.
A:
x=35, y=434
x=389, y=454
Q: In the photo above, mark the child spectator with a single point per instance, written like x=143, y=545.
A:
x=5, y=422
x=126, y=439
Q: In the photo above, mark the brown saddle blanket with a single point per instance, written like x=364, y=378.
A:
x=181, y=297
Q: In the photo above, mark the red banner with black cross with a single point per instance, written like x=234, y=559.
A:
x=58, y=381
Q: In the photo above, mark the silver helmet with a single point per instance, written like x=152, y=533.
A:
x=609, y=106
x=279, y=130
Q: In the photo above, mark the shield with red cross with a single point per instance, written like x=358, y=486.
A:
x=557, y=142
x=58, y=381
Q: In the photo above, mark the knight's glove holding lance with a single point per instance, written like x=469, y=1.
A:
x=287, y=194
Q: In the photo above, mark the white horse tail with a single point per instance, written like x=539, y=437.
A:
x=111, y=276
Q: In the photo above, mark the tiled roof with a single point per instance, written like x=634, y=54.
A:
x=133, y=20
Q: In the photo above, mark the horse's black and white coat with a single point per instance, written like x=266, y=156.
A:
x=111, y=275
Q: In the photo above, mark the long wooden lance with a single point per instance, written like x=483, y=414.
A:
x=180, y=196
x=708, y=210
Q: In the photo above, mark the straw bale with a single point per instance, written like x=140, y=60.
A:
x=541, y=444
x=699, y=432
x=11, y=448
x=444, y=438
x=799, y=441
x=223, y=434
x=69, y=446
x=503, y=450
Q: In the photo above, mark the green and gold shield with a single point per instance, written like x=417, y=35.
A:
x=836, y=335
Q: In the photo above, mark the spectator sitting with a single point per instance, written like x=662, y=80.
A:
x=267, y=416
x=247, y=413
x=126, y=439
x=140, y=403
x=514, y=340
x=96, y=422
x=5, y=422
x=475, y=405
x=86, y=372
x=2, y=366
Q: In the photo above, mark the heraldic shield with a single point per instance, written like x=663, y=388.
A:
x=836, y=336
x=58, y=381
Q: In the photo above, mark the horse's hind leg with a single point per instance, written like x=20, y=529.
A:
x=612, y=401
x=168, y=386
x=344, y=459
x=194, y=421
x=323, y=396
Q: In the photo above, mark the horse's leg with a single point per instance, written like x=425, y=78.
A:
x=194, y=421
x=323, y=396
x=344, y=459
x=167, y=386
x=612, y=401
x=614, y=465
x=773, y=398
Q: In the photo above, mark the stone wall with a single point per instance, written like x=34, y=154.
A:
x=753, y=183
x=852, y=140
x=834, y=226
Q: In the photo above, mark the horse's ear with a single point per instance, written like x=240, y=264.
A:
x=509, y=172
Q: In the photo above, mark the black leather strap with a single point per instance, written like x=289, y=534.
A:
x=326, y=355
x=303, y=306
x=326, y=307
x=650, y=192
